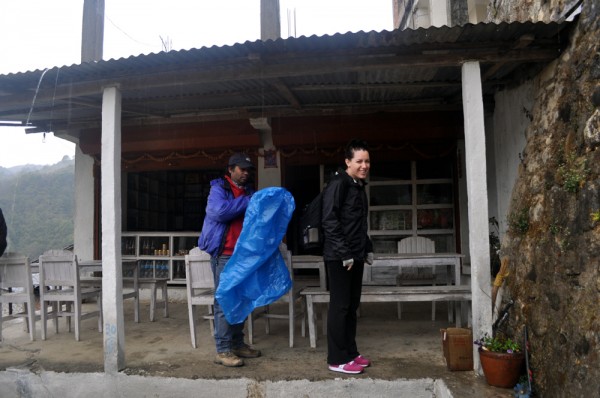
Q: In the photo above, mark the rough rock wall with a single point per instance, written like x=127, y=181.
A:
x=553, y=240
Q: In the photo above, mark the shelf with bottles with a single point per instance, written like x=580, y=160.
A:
x=387, y=218
x=153, y=269
x=178, y=270
x=159, y=254
x=154, y=246
x=128, y=246
x=183, y=244
x=438, y=218
x=158, y=244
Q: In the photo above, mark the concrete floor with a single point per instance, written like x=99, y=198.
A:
x=401, y=350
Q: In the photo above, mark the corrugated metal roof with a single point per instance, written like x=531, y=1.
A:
x=388, y=70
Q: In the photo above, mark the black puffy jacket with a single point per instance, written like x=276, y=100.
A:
x=344, y=219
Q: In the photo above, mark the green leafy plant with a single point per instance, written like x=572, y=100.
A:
x=519, y=221
x=499, y=343
x=573, y=173
x=595, y=216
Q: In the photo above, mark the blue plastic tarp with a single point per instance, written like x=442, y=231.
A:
x=256, y=274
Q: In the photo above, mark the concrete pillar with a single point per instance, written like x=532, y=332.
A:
x=84, y=206
x=267, y=176
x=438, y=11
x=475, y=161
x=92, y=30
x=112, y=277
x=270, y=22
x=92, y=39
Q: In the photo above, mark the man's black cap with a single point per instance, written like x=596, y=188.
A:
x=242, y=160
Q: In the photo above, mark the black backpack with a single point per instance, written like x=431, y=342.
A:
x=311, y=232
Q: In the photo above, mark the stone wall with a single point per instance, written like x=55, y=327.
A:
x=553, y=237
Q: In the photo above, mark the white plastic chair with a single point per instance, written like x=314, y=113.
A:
x=291, y=298
x=60, y=284
x=417, y=245
x=200, y=285
x=16, y=287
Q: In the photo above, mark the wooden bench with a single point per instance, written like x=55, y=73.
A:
x=380, y=294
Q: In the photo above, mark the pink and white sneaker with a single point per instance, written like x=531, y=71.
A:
x=350, y=368
x=362, y=361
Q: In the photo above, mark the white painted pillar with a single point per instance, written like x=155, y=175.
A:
x=83, y=220
x=475, y=160
x=438, y=13
x=112, y=277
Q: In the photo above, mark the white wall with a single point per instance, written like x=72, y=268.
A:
x=83, y=219
x=490, y=156
x=510, y=124
x=462, y=204
x=438, y=12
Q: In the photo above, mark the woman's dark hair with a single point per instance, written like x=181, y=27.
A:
x=355, y=145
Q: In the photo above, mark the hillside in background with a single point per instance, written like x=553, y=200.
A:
x=38, y=204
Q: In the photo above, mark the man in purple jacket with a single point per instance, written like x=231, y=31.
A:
x=227, y=202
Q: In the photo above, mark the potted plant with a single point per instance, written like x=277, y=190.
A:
x=501, y=359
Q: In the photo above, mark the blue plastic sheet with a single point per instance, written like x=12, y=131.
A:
x=256, y=274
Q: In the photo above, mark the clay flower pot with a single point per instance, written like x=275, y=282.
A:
x=501, y=369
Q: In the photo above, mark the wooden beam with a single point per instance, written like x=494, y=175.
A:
x=523, y=42
x=286, y=92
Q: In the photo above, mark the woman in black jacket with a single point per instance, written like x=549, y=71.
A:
x=346, y=248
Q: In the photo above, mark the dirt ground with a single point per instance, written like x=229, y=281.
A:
x=400, y=349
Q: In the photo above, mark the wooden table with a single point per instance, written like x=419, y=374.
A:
x=378, y=294
x=419, y=260
x=429, y=260
x=387, y=260
x=450, y=260
x=130, y=277
x=130, y=272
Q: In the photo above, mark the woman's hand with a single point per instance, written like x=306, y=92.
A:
x=348, y=263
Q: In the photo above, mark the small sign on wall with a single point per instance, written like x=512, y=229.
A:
x=270, y=159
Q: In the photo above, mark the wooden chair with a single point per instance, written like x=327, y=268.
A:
x=16, y=287
x=291, y=298
x=414, y=245
x=60, y=285
x=200, y=284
